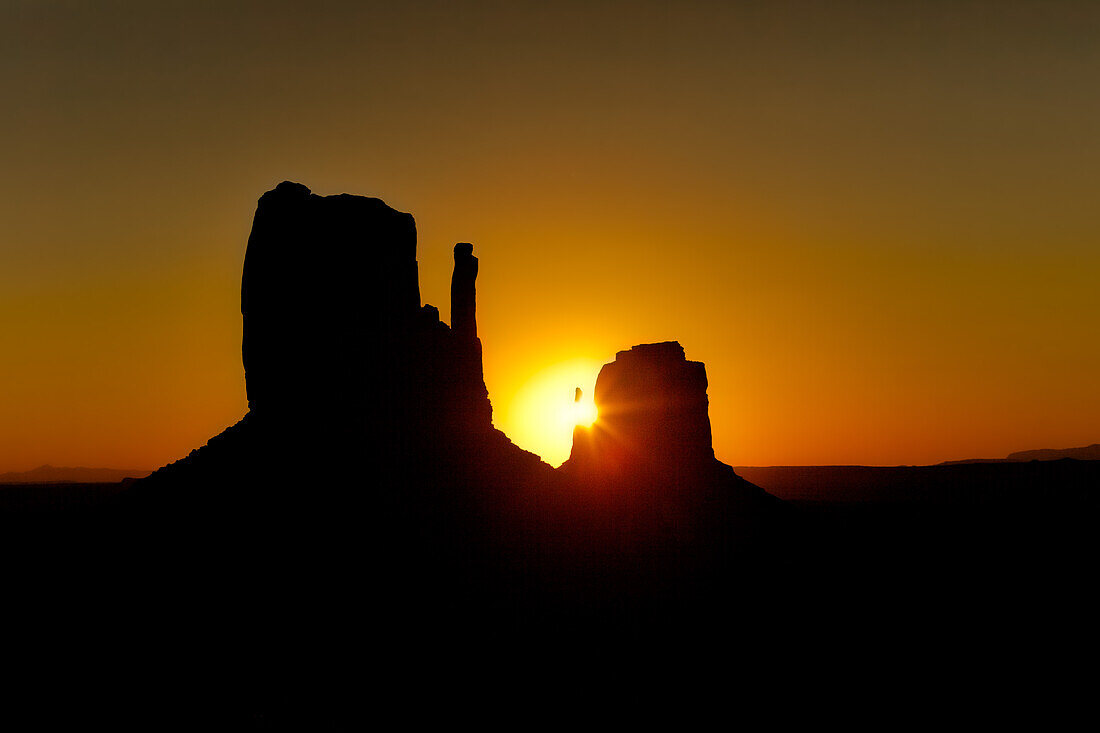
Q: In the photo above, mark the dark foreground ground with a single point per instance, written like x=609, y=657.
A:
x=969, y=539
x=954, y=532
x=915, y=582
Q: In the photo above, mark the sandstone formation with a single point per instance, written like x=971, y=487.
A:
x=469, y=387
x=353, y=496
x=653, y=418
x=363, y=541
x=329, y=289
x=643, y=487
x=344, y=368
x=365, y=507
x=463, y=315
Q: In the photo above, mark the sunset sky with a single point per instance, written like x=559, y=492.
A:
x=876, y=223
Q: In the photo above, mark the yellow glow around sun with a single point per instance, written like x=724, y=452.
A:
x=544, y=411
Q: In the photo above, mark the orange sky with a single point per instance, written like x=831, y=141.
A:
x=876, y=223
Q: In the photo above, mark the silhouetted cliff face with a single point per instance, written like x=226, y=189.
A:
x=329, y=293
x=653, y=416
x=463, y=295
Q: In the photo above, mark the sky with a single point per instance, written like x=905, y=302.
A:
x=875, y=222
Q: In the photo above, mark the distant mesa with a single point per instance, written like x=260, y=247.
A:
x=1086, y=453
x=47, y=474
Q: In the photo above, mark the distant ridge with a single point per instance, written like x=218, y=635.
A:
x=1087, y=453
x=48, y=474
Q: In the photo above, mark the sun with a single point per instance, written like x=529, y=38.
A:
x=545, y=410
x=582, y=410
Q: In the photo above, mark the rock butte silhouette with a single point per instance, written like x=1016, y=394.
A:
x=368, y=451
x=654, y=417
x=341, y=360
x=350, y=378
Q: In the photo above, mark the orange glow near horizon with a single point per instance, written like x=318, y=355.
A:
x=877, y=228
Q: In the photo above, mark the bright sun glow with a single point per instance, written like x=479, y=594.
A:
x=582, y=411
x=544, y=412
